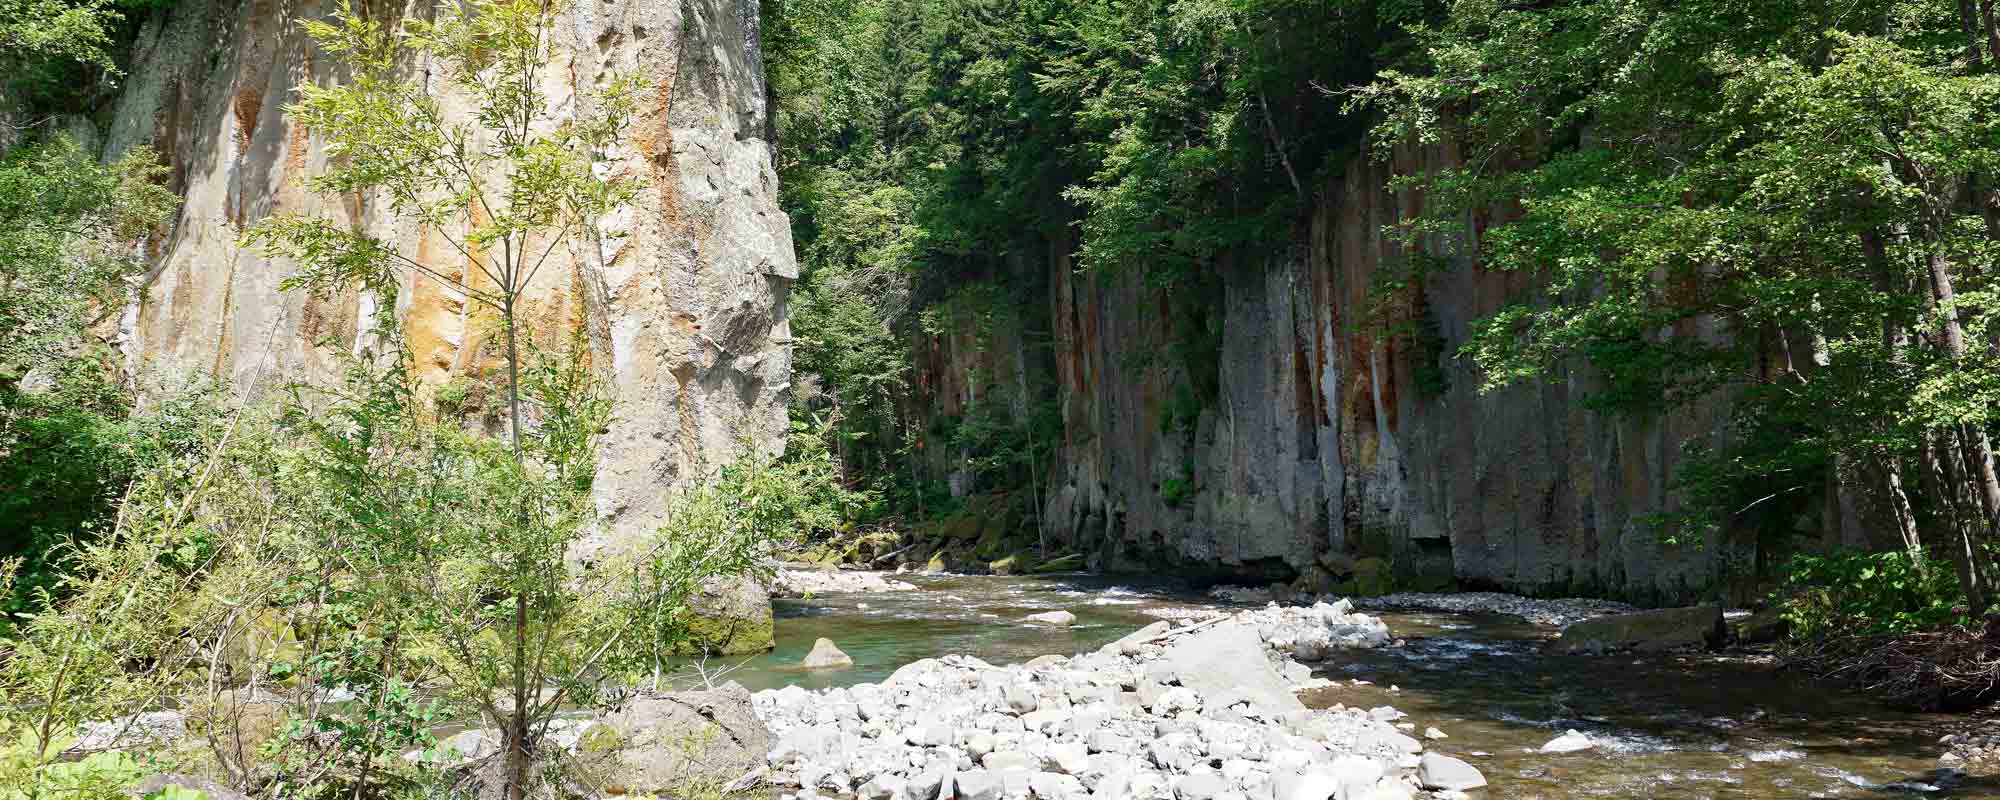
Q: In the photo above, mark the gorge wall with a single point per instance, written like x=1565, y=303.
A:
x=1326, y=442
x=683, y=298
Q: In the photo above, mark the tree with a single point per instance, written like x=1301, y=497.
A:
x=1784, y=205
x=506, y=189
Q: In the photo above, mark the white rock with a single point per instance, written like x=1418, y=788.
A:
x=1054, y=786
x=1051, y=618
x=825, y=655
x=1069, y=757
x=1571, y=741
x=1444, y=772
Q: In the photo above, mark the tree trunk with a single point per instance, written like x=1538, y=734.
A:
x=517, y=724
x=1978, y=448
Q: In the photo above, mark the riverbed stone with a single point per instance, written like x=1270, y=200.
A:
x=1070, y=758
x=1056, y=786
x=1439, y=771
x=825, y=655
x=1199, y=786
x=1571, y=741
x=977, y=784
x=1229, y=657
x=1647, y=631
x=1051, y=618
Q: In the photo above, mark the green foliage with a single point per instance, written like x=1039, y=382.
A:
x=936, y=154
x=26, y=773
x=67, y=445
x=1789, y=206
x=1177, y=489
x=1849, y=593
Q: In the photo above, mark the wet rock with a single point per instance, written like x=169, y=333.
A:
x=1571, y=741
x=1763, y=627
x=1051, y=618
x=1447, y=773
x=825, y=655
x=1646, y=631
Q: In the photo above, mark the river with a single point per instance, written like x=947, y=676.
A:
x=1690, y=725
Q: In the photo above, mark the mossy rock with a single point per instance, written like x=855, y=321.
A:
x=1070, y=562
x=732, y=616
x=1017, y=563
x=958, y=526
x=1316, y=580
x=1373, y=577
x=237, y=723
x=996, y=543
x=251, y=648
x=936, y=562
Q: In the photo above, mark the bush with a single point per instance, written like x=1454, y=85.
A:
x=1851, y=593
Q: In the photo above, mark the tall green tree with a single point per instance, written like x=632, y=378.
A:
x=506, y=187
x=1789, y=204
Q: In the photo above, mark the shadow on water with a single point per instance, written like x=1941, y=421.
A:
x=1669, y=725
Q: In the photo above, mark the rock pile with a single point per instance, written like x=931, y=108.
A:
x=1203, y=712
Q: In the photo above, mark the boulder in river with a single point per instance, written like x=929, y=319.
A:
x=1051, y=618
x=825, y=655
x=1571, y=741
x=1646, y=631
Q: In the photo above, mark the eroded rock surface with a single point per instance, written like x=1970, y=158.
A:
x=682, y=294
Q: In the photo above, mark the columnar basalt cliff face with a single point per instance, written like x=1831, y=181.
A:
x=682, y=295
x=1331, y=436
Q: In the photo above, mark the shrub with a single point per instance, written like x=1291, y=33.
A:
x=1859, y=593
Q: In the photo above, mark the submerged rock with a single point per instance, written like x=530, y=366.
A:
x=1646, y=631
x=825, y=655
x=1051, y=618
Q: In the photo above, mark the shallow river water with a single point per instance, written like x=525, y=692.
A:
x=1671, y=726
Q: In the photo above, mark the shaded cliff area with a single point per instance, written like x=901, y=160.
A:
x=1200, y=288
x=1332, y=424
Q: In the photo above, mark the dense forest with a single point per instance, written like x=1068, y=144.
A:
x=1788, y=210
x=1790, y=206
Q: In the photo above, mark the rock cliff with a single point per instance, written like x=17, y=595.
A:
x=1329, y=434
x=683, y=298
